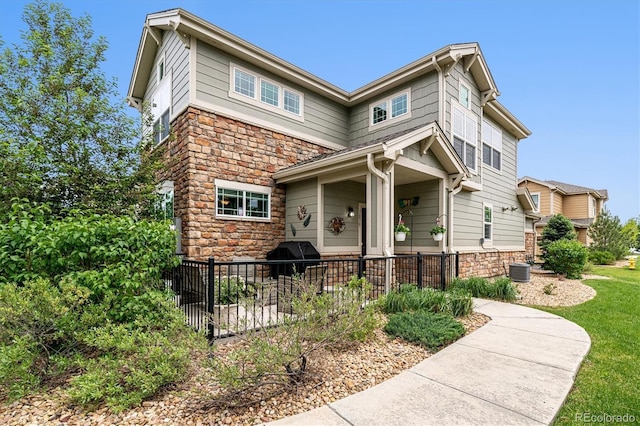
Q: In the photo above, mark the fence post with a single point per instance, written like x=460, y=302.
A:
x=443, y=271
x=210, y=300
x=419, y=269
x=360, y=266
x=457, y=264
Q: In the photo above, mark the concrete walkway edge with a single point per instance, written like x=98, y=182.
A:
x=516, y=370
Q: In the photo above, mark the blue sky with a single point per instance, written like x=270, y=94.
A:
x=569, y=70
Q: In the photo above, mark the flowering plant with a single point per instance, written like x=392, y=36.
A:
x=438, y=229
x=401, y=227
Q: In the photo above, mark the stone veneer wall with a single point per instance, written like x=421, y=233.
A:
x=488, y=264
x=208, y=146
x=529, y=243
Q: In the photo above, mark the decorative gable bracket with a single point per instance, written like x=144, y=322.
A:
x=185, y=38
x=425, y=144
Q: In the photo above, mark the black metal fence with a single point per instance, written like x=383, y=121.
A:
x=227, y=298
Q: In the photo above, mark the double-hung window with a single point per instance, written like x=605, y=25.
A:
x=465, y=136
x=265, y=93
x=240, y=200
x=391, y=109
x=487, y=222
x=491, y=145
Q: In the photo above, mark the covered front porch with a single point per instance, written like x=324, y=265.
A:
x=349, y=202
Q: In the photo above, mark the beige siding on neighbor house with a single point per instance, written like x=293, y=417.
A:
x=557, y=204
x=576, y=206
x=545, y=203
x=582, y=236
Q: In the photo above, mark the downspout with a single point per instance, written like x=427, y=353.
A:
x=386, y=194
x=457, y=187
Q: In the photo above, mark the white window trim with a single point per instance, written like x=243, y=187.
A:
x=246, y=187
x=256, y=100
x=537, y=205
x=164, y=67
x=466, y=112
x=492, y=223
x=156, y=98
x=466, y=86
x=482, y=143
x=390, y=120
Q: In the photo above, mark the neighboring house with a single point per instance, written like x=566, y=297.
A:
x=580, y=204
x=262, y=151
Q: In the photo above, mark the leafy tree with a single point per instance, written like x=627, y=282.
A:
x=607, y=234
x=63, y=140
x=558, y=228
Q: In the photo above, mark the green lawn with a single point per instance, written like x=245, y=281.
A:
x=609, y=380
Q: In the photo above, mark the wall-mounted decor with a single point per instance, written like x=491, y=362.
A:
x=408, y=202
x=302, y=212
x=293, y=229
x=307, y=220
x=337, y=225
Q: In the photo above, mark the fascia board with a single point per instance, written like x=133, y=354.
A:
x=499, y=113
x=142, y=65
x=332, y=163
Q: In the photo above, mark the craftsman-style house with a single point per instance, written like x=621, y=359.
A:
x=579, y=204
x=261, y=151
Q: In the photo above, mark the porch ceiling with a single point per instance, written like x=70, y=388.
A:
x=405, y=175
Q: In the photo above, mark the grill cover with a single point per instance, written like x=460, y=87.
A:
x=292, y=250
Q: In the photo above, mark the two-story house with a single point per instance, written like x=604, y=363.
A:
x=580, y=204
x=260, y=151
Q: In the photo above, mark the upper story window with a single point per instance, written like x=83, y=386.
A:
x=535, y=196
x=161, y=105
x=391, y=109
x=160, y=70
x=241, y=200
x=592, y=202
x=265, y=93
x=488, y=222
x=245, y=84
x=465, y=136
x=463, y=96
x=161, y=127
x=491, y=145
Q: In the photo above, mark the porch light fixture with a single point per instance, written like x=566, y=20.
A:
x=514, y=208
x=504, y=209
x=350, y=212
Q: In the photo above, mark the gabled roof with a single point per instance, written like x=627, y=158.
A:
x=567, y=188
x=430, y=136
x=187, y=25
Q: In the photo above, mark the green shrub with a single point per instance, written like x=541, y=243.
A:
x=567, y=258
x=601, y=257
x=425, y=328
x=409, y=299
x=272, y=358
x=500, y=289
x=503, y=289
x=478, y=287
x=133, y=362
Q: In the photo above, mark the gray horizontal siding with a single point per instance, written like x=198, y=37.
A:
x=322, y=118
x=424, y=214
x=424, y=109
x=302, y=194
x=337, y=197
x=176, y=64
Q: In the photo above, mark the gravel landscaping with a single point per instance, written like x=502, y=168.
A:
x=332, y=375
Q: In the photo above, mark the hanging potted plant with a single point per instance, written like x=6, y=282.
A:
x=437, y=231
x=401, y=231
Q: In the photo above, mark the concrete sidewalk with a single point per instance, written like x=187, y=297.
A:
x=516, y=370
